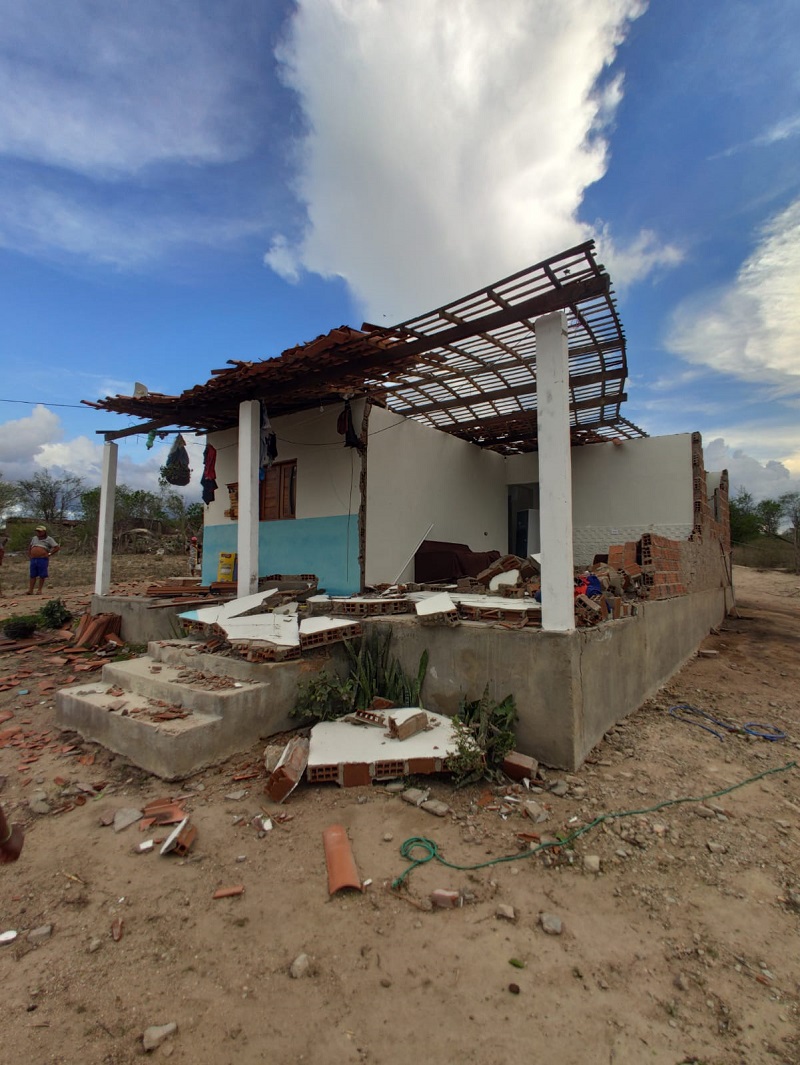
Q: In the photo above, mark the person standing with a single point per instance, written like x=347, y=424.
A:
x=40, y=549
x=194, y=557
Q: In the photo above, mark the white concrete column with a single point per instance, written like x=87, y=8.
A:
x=105, y=526
x=555, y=472
x=247, y=540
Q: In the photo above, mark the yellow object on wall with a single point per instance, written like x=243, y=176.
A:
x=226, y=568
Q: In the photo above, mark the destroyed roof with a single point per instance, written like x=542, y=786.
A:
x=468, y=368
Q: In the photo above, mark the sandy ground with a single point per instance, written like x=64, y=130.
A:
x=683, y=948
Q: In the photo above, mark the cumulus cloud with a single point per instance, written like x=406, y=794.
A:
x=764, y=480
x=751, y=327
x=449, y=144
x=22, y=440
x=38, y=442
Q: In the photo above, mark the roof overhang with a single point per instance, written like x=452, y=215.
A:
x=468, y=368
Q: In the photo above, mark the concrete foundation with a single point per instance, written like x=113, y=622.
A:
x=569, y=687
x=222, y=722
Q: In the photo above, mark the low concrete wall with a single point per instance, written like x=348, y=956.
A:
x=537, y=668
x=142, y=619
x=569, y=687
x=621, y=665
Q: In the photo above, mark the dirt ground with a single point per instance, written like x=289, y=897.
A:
x=683, y=948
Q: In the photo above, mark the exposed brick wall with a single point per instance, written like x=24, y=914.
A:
x=664, y=568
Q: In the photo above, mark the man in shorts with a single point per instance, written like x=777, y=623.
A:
x=40, y=549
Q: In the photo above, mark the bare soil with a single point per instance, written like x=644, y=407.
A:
x=683, y=948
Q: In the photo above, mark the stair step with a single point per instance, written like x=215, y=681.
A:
x=170, y=684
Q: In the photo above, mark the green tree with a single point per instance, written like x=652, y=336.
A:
x=745, y=524
x=8, y=497
x=194, y=518
x=769, y=513
x=790, y=508
x=51, y=498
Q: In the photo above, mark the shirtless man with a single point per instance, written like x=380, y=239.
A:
x=40, y=549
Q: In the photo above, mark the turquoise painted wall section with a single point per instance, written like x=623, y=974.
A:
x=325, y=546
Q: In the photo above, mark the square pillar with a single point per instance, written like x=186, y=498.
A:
x=105, y=525
x=555, y=472
x=247, y=536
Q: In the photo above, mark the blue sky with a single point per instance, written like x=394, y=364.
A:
x=183, y=182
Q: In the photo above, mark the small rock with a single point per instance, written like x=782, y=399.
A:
x=681, y=982
x=362, y=799
x=300, y=966
x=40, y=934
x=560, y=788
x=704, y=811
x=95, y=945
x=507, y=913
x=716, y=848
x=272, y=755
x=125, y=817
x=386, y=982
x=591, y=863
x=236, y=796
x=39, y=806
x=535, y=811
x=394, y=787
x=155, y=1035
x=435, y=807
x=416, y=796
x=387, y=837
x=550, y=924
x=444, y=899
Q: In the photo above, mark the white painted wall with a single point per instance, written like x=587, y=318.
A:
x=327, y=471
x=418, y=475
x=621, y=491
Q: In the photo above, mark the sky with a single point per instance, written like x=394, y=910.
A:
x=184, y=182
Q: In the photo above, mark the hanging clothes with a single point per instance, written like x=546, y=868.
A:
x=268, y=448
x=176, y=469
x=344, y=427
x=209, y=478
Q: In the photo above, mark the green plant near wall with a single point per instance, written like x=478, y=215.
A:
x=373, y=673
x=324, y=697
x=484, y=736
x=378, y=675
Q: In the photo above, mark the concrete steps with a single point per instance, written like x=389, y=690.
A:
x=231, y=703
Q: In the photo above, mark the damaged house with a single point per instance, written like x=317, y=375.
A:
x=411, y=458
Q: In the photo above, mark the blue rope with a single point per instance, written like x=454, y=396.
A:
x=684, y=711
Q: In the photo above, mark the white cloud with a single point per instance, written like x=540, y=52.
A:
x=764, y=480
x=37, y=442
x=41, y=221
x=449, y=144
x=780, y=131
x=751, y=327
x=636, y=260
x=22, y=440
x=108, y=89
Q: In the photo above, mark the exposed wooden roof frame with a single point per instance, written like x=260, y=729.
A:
x=467, y=368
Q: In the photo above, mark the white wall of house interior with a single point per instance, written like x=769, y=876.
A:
x=417, y=475
x=620, y=491
x=327, y=472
